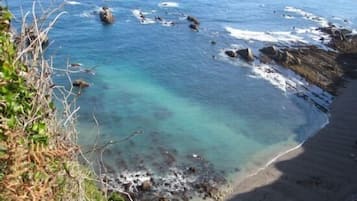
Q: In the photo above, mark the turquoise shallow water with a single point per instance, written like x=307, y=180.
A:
x=163, y=82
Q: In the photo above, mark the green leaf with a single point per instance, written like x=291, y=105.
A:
x=41, y=139
x=12, y=122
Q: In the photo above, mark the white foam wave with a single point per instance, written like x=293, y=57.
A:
x=314, y=34
x=309, y=16
x=291, y=83
x=138, y=14
x=167, y=23
x=289, y=17
x=72, y=2
x=298, y=35
x=264, y=36
x=169, y=4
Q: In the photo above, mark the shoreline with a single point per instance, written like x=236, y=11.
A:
x=282, y=153
x=308, y=168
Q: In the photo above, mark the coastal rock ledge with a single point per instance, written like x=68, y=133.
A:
x=325, y=68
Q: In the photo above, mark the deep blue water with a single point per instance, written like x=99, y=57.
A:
x=164, y=82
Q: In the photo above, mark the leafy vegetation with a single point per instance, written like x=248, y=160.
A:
x=38, y=161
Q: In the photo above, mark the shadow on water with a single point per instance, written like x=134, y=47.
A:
x=324, y=170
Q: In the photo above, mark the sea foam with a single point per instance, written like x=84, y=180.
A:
x=137, y=13
x=273, y=37
x=309, y=35
x=291, y=83
x=72, y=2
x=309, y=16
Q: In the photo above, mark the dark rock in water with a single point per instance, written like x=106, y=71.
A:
x=76, y=65
x=231, y=53
x=106, y=16
x=146, y=186
x=194, y=20
x=158, y=18
x=192, y=170
x=213, y=42
x=80, y=83
x=105, y=179
x=246, y=54
x=281, y=56
x=335, y=33
x=194, y=27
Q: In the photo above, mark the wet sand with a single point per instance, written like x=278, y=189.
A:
x=322, y=169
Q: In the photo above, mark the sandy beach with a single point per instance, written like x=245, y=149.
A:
x=322, y=169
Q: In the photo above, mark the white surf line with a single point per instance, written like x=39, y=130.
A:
x=297, y=35
x=72, y=2
x=278, y=36
x=288, y=81
x=309, y=16
x=138, y=15
x=283, y=79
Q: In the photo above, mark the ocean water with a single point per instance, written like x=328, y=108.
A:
x=181, y=93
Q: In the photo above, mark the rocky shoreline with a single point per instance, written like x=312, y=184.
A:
x=325, y=68
x=176, y=184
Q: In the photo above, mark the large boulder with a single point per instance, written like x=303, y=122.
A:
x=246, y=54
x=271, y=51
x=106, y=16
x=194, y=20
x=231, y=53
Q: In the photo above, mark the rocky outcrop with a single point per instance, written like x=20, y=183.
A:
x=106, y=16
x=324, y=68
x=342, y=40
x=246, y=54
